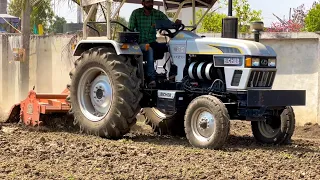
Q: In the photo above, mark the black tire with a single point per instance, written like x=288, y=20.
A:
x=125, y=95
x=164, y=124
x=282, y=128
x=215, y=108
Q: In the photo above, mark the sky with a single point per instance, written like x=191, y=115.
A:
x=268, y=7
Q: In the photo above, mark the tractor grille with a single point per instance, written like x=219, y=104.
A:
x=260, y=78
x=236, y=78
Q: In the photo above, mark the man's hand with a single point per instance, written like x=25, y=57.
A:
x=178, y=21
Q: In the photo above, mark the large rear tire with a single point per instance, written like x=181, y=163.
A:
x=164, y=124
x=276, y=130
x=207, y=122
x=104, y=93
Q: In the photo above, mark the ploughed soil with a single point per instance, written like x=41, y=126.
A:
x=61, y=152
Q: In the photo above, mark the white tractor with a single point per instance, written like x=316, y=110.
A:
x=207, y=82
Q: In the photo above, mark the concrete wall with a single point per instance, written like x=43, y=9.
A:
x=51, y=60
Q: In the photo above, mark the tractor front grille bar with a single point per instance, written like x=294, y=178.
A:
x=260, y=78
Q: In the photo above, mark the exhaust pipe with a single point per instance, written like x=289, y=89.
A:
x=230, y=24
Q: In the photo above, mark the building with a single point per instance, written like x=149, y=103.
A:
x=7, y=22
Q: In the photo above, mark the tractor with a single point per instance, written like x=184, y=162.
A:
x=206, y=83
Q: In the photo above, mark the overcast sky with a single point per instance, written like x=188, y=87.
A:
x=279, y=7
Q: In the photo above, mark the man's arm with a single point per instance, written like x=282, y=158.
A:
x=163, y=16
x=133, y=21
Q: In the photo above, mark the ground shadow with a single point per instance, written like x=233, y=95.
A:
x=233, y=143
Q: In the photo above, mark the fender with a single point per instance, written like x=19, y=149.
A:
x=84, y=45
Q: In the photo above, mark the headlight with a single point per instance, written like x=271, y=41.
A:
x=255, y=62
x=272, y=62
x=260, y=62
x=252, y=62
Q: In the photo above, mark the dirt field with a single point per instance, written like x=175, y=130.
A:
x=47, y=154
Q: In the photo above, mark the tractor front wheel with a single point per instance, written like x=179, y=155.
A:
x=207, y=123
x=104, y=93
x=275, y=130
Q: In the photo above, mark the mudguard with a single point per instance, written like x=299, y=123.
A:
x=84, y=45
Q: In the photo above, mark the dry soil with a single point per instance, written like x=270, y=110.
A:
x=63, y=153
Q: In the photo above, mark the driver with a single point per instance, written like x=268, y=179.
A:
x=143, y=20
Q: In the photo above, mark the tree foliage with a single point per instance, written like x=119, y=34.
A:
x=245, y=14
x=212, y=22
x=312, y=19
x=301, y=20
x=288, y=26
x=295, y=24
x=171, y=14
x=57, y=25
x=41, y=12
x=299, y=15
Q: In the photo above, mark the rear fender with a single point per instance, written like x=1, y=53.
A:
x=84, y=45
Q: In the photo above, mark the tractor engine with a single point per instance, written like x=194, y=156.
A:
x=200, y=70
x=201, y=74
x=229, y=73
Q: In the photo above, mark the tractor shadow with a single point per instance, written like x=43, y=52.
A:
x=143, y=134
x=235, y=142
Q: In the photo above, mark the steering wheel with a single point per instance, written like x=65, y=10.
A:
x=176, y=27
x=122, y=25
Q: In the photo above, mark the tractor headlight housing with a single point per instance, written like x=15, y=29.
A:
x=260, y=62
x=255, y=62
x=252, y=62
x=272, y=62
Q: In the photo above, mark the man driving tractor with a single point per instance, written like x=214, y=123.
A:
x=143, y=20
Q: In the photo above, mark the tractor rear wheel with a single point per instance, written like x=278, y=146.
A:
x=104, y=93
x=275, y=130
x=207, y=122
x=164, y=124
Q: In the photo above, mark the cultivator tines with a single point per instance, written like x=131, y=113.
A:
x=29, y=110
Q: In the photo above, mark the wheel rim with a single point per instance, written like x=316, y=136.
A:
x=202, y=125
x=94, y=94
x=267, y=130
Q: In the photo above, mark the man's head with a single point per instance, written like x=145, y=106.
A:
x=147, y=4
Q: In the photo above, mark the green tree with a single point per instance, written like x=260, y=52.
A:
x=312, y=21
x=41, y=12
x=57, y=25
x=245, y=14
x=171, y=14
x=212, y=22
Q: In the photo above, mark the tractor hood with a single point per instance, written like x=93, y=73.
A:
x=209, y=45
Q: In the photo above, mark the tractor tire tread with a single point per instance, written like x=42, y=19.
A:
x=126, y=96
x=222, y=121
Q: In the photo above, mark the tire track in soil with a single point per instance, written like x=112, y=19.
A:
x=54, y=154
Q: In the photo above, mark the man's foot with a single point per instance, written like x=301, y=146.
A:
x=152, y=84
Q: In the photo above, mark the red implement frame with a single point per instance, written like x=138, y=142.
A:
x=35, y=104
